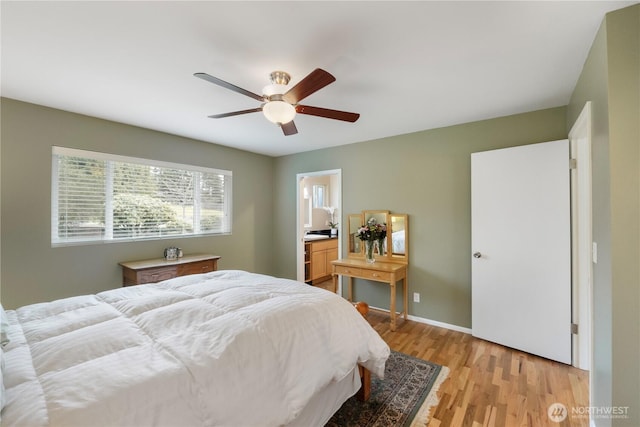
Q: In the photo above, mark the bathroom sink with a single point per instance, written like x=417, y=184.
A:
x=310, y=237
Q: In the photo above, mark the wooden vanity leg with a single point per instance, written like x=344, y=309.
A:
x=405, y=284
x=392, y=307
x=350, y=295
x=335, y=283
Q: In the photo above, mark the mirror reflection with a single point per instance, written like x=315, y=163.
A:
x=398, y=234
x=379, y=217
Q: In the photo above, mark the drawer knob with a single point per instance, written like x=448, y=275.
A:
x=375, y=274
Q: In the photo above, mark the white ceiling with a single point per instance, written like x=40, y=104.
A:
x=404, y=66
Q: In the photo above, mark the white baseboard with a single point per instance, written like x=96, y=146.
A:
x=431, y=322
x=440, y=324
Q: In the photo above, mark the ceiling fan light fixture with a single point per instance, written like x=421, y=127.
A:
x=280, y=104
x=279, y=112
x=274, y=89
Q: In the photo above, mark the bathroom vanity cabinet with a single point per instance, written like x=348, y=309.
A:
x=318, y=257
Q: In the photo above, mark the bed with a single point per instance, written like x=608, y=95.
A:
x=226, y=348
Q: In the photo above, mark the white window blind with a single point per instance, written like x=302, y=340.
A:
x=104, y=197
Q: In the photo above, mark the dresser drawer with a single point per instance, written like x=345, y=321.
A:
x=323, y=245
x=348, y=271
x=157, y=274
x=195, y=268
x=376, y=275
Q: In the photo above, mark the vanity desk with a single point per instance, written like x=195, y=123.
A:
x=387, y=272
x=391, y=260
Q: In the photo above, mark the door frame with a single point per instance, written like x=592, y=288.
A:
x=300, y=222
x=582, y=249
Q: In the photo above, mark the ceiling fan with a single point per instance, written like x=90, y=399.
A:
x=280, y=104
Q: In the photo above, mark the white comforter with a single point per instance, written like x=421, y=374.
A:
x=227, y=348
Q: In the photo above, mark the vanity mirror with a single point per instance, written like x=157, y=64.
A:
x=399, y=236
x=395, y=245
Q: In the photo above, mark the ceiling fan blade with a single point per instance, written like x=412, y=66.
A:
x=289, y=128
x=229, y=86
x=315, y=81
x=234, y=113
x=327, y=113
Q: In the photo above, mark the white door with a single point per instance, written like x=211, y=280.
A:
x=521, y=246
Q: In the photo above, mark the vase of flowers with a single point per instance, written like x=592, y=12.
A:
x=371, y=233
x=369, y=245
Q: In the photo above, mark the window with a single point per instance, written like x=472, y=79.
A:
x=100, y=197
x=318, y=195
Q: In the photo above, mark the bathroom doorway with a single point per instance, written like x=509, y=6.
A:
x=319, y=203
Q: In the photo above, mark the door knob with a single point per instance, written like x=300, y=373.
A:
x=477, y=255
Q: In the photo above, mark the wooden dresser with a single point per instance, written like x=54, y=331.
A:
x=156, y=270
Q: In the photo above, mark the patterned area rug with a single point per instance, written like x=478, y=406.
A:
x=403, y=398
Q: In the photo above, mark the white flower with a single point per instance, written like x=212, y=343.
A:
x=331, y=211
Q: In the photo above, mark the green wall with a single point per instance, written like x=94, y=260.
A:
x=611, y=81
x=426, y=175
x=32, y=271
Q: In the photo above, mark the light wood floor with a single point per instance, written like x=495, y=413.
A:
x=489, y=384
